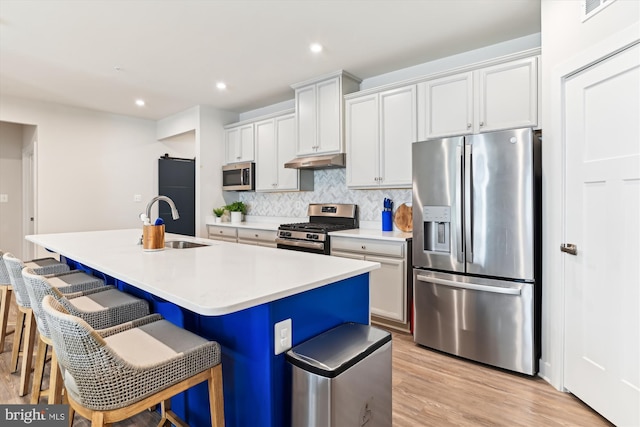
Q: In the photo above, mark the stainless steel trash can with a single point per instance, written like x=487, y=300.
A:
x=342, y=378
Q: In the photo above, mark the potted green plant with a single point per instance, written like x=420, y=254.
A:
x=218, y=213
x=237, y=209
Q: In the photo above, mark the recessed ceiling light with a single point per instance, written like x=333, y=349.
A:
x=221, y=85
x=140, y=102
x=315, y=47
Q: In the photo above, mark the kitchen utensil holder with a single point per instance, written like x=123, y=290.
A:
x=387, y=221
x=153, y=237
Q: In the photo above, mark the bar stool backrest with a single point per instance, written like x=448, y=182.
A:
x=83, y=355
x=38, y=287
x=14, y=267
x=4, y=273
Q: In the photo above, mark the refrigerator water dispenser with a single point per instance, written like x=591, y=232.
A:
x=437, y=228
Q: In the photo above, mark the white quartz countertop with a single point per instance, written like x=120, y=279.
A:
x=271, y=223
x=214, y=280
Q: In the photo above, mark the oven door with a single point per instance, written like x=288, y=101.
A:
x=302, y=246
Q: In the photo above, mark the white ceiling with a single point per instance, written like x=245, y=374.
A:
x=103, y=55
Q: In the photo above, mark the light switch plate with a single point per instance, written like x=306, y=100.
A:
x=282, y=336
x=4, y=198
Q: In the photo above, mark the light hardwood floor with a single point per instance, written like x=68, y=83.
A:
x=430, y=389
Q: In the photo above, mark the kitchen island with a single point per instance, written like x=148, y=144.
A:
x=233, y=294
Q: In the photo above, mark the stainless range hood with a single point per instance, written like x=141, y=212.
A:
x=317, y=162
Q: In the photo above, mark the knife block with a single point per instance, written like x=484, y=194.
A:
x=153, y=237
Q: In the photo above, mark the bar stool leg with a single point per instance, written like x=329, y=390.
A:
x=38, y=372
x=5, y=305
x=55, y=381
x=27, y=352
x=17, y=340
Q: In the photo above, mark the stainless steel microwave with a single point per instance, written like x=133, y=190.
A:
x=239, y=177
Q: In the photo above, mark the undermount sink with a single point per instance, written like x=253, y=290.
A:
x=182, y=244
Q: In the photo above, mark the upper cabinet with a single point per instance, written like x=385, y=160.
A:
x=239, y=143
x=501, y=96
x=275, y=145
x=319, y=113
x=380, y=128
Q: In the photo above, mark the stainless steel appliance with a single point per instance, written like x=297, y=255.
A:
x=239, y=177
x=476, y=248
x=342, y=377
x=313, y=236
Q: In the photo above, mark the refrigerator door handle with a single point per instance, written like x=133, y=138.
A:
x=470, y=286
x=468, y=202
x=458, y=186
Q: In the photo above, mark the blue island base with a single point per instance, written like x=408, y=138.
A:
x=257, y=383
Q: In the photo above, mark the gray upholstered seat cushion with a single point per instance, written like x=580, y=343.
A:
x=153, y=343
x=75, y=278
x=102, y=300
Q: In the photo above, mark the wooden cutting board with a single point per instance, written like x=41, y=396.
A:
x=404, y=218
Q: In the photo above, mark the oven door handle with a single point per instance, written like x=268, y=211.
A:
x=300, y=243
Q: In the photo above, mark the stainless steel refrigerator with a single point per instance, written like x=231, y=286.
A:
x=476, y=247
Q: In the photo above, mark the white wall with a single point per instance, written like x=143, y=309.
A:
x=11, y=137
x=564, y=36
x=90, y=164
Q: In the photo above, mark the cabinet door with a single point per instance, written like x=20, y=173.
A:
x=362, y=141
x=286, y=150
x=239, y=144
x=232, y=145
x=446, y=106
x=508, y=95
x=398, y=130
x=306, y=120
x=329, y=122
x=347, y=255
x=266, y=156
x=246, y=142
x=387, y=288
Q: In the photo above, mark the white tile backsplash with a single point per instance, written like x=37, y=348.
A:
x=329, y=187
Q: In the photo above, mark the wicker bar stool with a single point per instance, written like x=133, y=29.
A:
x=112, y=374
x=25, y=329
x=48, y=265
x=101, y=308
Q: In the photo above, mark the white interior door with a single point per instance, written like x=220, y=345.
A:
x=602, y=281
x=28, y=200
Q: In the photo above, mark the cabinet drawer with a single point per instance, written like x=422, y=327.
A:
x=366, y=246
x=217, y=232
x=252, y=234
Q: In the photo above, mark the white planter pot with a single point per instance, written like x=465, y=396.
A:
x=236, y=217
x=218, y=219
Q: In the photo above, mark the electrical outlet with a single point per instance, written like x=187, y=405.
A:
x=137, y=197
x=282, y=336
x=4, y=198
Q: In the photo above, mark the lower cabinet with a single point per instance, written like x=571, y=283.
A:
x=227, y=234
x=390, y=293
x=250, y=236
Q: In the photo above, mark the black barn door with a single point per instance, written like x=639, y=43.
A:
x=177, y=180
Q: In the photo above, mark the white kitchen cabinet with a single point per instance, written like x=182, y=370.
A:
x=249, y=236
x=276, y=145
x=239, y=143
x=319, y=113
x=227, y=234
x=388, y=286
x=502, y=96
x=508, y=95
x=380, y=129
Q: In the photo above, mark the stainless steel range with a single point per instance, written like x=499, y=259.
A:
x=313, y=236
